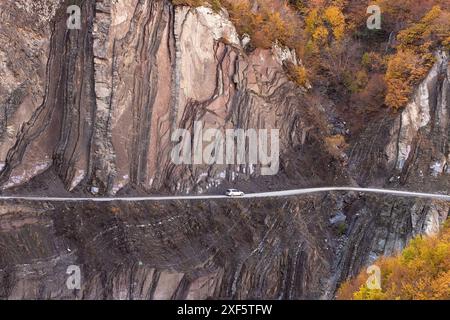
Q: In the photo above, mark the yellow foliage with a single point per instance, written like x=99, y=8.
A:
x=264, y=26
x=433, y=28
x=421, y=271
x=413, y=59
x=298, y=74
x=316, y=24
x=405, y=69
x=215, y=4
x=373, y=61
x=320, y=35
x=336, y=144
x=316, y=28
x=335, y=17
x=446, y=43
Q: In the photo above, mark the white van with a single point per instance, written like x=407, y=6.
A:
x=234, y=193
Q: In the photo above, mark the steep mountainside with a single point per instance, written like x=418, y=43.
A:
x=96, y=108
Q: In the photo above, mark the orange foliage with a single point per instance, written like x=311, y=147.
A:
x=405, y=69
x=298, y=74
x=335, y=17
x=272, y=21
x=414, y=57
x=331, y=38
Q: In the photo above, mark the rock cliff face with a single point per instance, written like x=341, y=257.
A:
x=96, y=108
x=134, y=73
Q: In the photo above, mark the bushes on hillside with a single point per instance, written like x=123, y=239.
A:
x=414, y=57
x=340, y=53
x=421, y=271
x=322, y=23
x=272, y=21
x=405, y=70
x=191, y=3
x=297, y=74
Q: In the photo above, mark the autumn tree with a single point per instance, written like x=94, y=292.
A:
x=405, y=70
x=336, y=19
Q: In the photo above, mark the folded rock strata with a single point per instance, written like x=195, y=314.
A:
x=96, y=107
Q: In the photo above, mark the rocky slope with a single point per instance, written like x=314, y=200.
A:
x=96, y=107
x=146, y=69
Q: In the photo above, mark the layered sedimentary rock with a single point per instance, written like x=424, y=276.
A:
x=287, y=248
x=95, y=108
x=135, y=72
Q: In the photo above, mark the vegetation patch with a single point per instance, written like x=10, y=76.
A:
x=366, y=67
